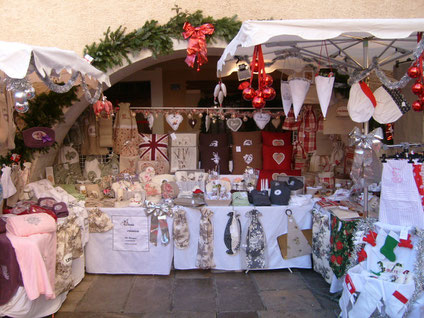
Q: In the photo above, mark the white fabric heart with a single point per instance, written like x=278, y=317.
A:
x=174, y=120
x=278, y=157
x=234, y=123
x=286, y=96
x=324, y=86
x=261, y=119
x=299, y=87
x=150, y=120
x=248, y=158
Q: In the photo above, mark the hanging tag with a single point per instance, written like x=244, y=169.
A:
x=173, y=136
x=404, y=234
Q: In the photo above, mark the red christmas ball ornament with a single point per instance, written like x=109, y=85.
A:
x=260, y=93
x=269, y=93
x=268, y=80
x=248, y=93
x=258, y=102
x=417, y=88
x=417, y=106
x=255, y=66
x=244, y=85
x=413, y=72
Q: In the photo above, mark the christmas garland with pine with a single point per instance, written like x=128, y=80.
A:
x=117, y=45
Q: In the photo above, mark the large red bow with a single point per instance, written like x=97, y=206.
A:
x=197, y=43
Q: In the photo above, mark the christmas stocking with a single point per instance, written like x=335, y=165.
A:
x=392, y=240
x=396, y=303
x=368, y=300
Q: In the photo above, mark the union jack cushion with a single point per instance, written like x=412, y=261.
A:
x=154, y=147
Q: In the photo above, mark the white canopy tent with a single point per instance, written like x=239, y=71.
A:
x=20, y=62
x=292, y=44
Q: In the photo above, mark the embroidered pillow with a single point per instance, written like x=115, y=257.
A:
x=153, y=147
x=277, y=158
x=246, y=156
x=250, y=138
x=213, y=140
x=276, y=138
x=215, y=159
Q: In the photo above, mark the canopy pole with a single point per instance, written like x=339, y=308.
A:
x=366, y=124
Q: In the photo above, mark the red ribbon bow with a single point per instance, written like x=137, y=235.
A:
x=197, y=43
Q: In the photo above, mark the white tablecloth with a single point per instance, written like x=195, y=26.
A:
x=274, y=221
x=101, y=258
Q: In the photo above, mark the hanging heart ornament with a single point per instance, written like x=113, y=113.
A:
x=174, y=120
x=192, y=122
x=261, y=119
x=234, y=123
x=276, y=122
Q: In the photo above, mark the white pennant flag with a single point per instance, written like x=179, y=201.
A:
x=324, y=86
x=286, y=97
x=299, y=88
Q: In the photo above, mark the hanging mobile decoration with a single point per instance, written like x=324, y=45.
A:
x=22, y=92
x=197, y=43
x=219, y=93
x=103, y=106
x=264, y=92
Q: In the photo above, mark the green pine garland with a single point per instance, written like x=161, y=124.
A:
x=117, y=45
x=45, y=110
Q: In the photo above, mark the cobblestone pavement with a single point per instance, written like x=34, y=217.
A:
x=203, y=294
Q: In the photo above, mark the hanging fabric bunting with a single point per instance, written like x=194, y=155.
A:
x=299, y=88
x=197, y=43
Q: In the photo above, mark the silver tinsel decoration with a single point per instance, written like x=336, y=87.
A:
x=358, y=76
x=15, y=84
x=418, y=272
x=366, y=225
x=91, y=99
x=59, y=88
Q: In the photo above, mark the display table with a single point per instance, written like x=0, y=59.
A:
x=106, y=255
x=274, y=221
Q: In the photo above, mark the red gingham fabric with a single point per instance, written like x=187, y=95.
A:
x=320, y=123
x=290, y=122
x=154, y=147
x=308, y=130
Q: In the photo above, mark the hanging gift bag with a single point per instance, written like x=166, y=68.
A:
x=296, y=242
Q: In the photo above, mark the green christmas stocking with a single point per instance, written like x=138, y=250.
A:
x=392, y=240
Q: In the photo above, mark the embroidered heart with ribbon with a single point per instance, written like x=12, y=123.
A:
x=261, y=119
x=174, y=120
x=278, y=157
x=234, y=123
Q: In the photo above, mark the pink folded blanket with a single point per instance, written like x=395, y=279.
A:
x=29, y=224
